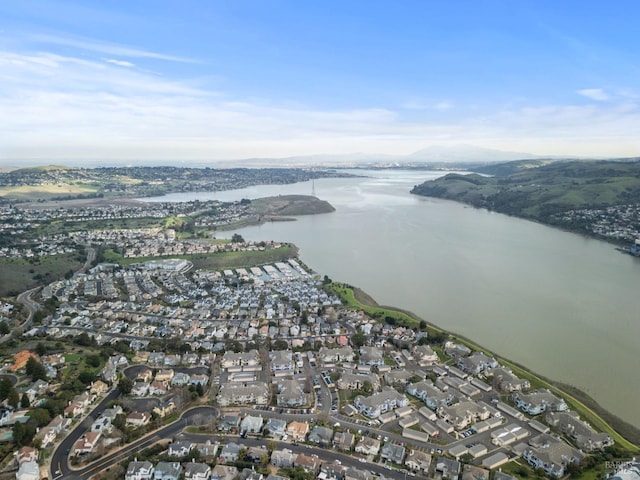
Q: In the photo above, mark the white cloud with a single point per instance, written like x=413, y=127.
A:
x=108, y=48
x=597, y=94
x=54, y=106
x=120, y=63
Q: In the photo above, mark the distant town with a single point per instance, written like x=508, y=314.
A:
x=148, y=362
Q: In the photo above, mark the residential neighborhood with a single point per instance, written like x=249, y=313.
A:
x=274, y=363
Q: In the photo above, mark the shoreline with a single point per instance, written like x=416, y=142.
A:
x=624, y=434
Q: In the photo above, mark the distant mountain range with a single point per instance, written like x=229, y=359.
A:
x=435, y=155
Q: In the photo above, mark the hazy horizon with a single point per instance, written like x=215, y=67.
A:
x=222, y=81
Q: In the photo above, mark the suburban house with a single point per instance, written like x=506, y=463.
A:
x=281, y=361
x=320, y=435
x=180, y=448
x=240, y=359
x=255, y=393
x=138, y=419
x=86, y=443
x=139, y=471
x=335, y=355
x=343, y=440
x=368, y=446
x=463, y=414
x=282, y=458
x=418, y=461
x=275, y=426
x=310, y=464
x=584, y=436
x=371, y=356
x=355, y=381
x=290, y=394
x=224, y=472
x=535, y=403
x=506, y=381
x=551, y=454
x=298, y=430
x=393, y=453
x=431, y=395
x=251, y=424
x=379, y=403
x=476, y=363
x=197, y=471
x=230, y=452
x=424, y=355
x=167, y=471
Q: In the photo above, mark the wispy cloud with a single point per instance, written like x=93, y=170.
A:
x=120, y=63
x=61, y=106
x=417, y=105
x=108, y=48
x=597, y=94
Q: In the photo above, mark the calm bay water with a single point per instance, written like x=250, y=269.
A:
x=566, y=306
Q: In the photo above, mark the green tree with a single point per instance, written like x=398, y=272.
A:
x=125, y=385
x=35, y=369
x=4, y=328
x=358, y=339
x=40, y=416
x=5, y=387
x=24, y=401
x=237, y=238
x=41, y=349
x=14, y=398
x=86, y=377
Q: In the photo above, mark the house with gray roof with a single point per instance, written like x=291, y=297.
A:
x=320, y=435
x=281, y=361
x=505, y=380
x=579, y=431
x=448, y=469
x=282, y=458
x=539, y=401
x=290, y=393
x=353, y=473
x=335, y=355
x=275, y=426
x=371, y=356
x=343, y=440
x=393, y=453
x=463, y=414
x=476, y=363
x=230, y=452
x=431, y=395
x=378, y=403
x=197, y=471
x=180, y=448
x=254, y=393
x=551, y=455
x=251, y=424
x=139, y=471
x=355, y=381
x=167, y=471
x=224, y=472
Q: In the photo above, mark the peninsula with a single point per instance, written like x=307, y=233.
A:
x=596, y=198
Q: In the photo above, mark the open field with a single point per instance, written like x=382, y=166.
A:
x=586, y=407
x=291, y=205
x=217, y=261
x=18, y=275
x=46, y=191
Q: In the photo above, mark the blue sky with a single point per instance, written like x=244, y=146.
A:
x=218, y=80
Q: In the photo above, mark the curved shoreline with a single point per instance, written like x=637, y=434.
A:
x=589, y=409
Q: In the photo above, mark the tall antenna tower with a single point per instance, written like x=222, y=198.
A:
x=313, y=187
